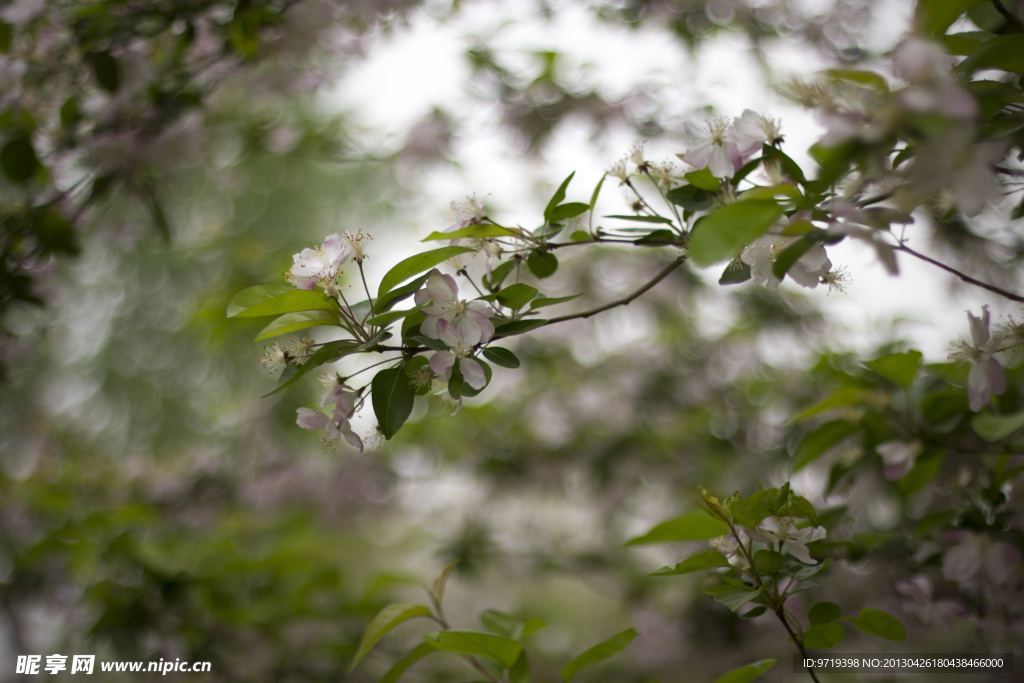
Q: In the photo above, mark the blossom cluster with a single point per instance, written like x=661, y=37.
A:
x=776, y=533
x=460, y=324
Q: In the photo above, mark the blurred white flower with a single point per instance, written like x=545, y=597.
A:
x=319, y=266
x=973, y=553
x=22, y=11
x=986, y=376
x=782, y=530
x=715, y=150
x=461, y=340
x=730, y=547
x=808, y=270
x=335, y=427
x=897, y=457
x=11, y=73
x=469, y=317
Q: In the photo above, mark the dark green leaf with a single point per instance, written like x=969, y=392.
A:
x=747, y=673
x=515, y=327
x=708, y=559
x=691, y=198
x=737, y=597
x=542, y=263
x=755, y=508
x=723, y=233
x=18, y=160
x=106, y=70
x=819, y=441
x=755, y=612
x=556, y=199
x=598, y=653
x=790, y=255
x=393, y=398
x=768, y=562
x=390, y=317
x=564, y=212
x=55, y=233
x=69, y=112
x=387, y=619
x=385, y=302
x=824, y=612
x=498, y=274
x=925, y=469
x=935, y=16
x=502, y=623
x=501, y=356
x=516, y=296
x=293, y=322
x=901, y=368
x=788, y=166
x=692, y=526
x=736, y=272
x=414, y=265
x=1002, y=52
x=875, y=622
x=504, y=651
x=658, y=238
x=824, y=635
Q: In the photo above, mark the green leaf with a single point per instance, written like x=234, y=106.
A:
x=414, y=265
x=708, y=559
x=385, y=302
x=925, y=469
x=722, y=234
x=542, y=263
x=768, y=562
x=819, y=441
x=755, y=508
x=824, y=612
x=845, y=395
x=737, y=597
x=387, y=619
x=598, y=653
x=502, y=623
x=691, y=198
x=642, y=219
x=901, y=368
x=703, y=180
x=691, y=526
x=542, y=301
x=823, y=636
x=868, y=79
x=516, y=296
x=18, y=160
x=515, y=327
x=500, y=649
x=498, y=274
x=564, y=212
x=392, y=399
x=106, y=70
x=659, y=238
x=253, y=296
x=403, y=664
x=293, y=322
x=532, y=625
x=55, y=233
x=289, y=302
x=788, y=166
x=556, y=199
x=789, y=256
x=875, y=622
x=480, y=231
x=390, y=317
x=994, y=428
x=747, y=673
x=1002, y=52
x=327, y=353
x=935, y=16
x=70, y=113
x=501, y=356
x=736, y=272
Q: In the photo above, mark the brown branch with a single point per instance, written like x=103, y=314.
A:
x=1014, y=21
x=625, y=300
x=966, y=278
x=781, y=614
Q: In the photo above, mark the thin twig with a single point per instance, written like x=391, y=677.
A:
x=781, y=614
x=1014, y=21
x=625, y=300
x=966, y=278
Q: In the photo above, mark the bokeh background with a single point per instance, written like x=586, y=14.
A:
x=153, y=505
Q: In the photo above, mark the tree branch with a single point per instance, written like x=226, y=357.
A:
x=1014, y=21
x=625, y=300
x=966, y=278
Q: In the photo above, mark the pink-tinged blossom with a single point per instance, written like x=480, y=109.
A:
x=751, y=130
x=22, y=11
x=12, y=73
x=973, y=553
x=320, y=266
x=898, y=458
x=335, y=427
x=922, y=602
x=808, y=270
x=782, y=530
x=730, y=547
x=461, y=340
x=986, y=376
x=469, y=317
